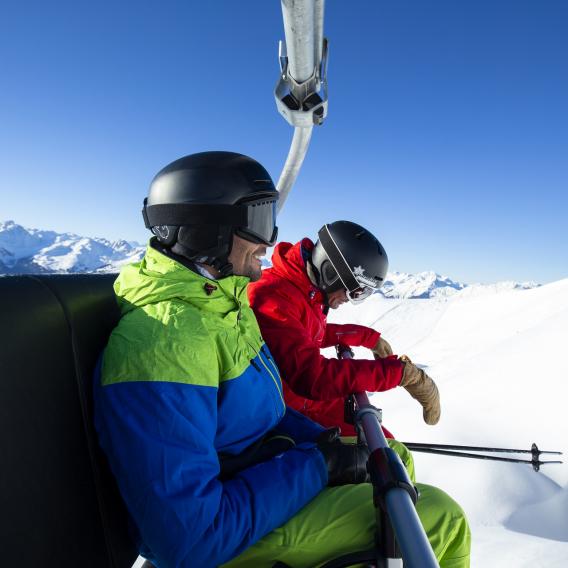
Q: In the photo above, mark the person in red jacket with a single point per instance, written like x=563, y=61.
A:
x=291, y=302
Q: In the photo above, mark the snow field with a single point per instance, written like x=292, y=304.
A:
x=496, y=354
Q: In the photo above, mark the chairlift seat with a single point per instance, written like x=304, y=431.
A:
x=60, y=505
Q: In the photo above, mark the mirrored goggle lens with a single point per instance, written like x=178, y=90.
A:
x=359, y=294
x=261, y=221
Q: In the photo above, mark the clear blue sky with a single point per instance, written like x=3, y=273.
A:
x=447, y=132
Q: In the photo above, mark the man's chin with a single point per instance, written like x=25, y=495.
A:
x=255, y=275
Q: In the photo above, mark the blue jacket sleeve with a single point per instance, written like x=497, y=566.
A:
x=298, y=427
x=159, y=439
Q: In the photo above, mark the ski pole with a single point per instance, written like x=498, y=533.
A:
x=479, y=448
x=400, y=533
x=448, y=450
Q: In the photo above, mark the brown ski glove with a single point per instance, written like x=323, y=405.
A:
x=422, y=388
x=382, y=349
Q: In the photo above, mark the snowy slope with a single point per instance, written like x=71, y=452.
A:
x=25, y=251
x=496, y=353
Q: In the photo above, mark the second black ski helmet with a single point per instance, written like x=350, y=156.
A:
x=197, y=203
x=348, y=256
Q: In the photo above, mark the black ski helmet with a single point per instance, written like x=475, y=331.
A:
x=197, y=203
x=348, y=256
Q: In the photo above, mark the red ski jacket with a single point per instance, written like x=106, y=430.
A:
x=290, y=312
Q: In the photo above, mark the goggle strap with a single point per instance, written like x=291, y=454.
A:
x=338, y=260
x=194, y=214
x=145, y=214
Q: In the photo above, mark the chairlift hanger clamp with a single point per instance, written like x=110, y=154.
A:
x=301, y=90
x=304, y=104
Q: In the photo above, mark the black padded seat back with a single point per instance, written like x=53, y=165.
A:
x=59, y=506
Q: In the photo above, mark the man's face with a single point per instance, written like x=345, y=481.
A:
x=245, y=258
x=335, y=299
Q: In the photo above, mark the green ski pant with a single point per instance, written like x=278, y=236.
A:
x=341, y=520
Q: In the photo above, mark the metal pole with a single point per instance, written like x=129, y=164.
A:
x=294, y=161
x=301, y=91
x=534, y=449
x=318, y=23
x=410, y=536
x=299, y=31
x=414, y=544
x=535, y=462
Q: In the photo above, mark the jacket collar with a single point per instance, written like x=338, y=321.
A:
x=158, y=277
x=288, y=262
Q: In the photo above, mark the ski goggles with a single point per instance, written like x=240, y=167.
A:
x=333, y=282
x=260, y=225
x=253, y=219
x=359, y=294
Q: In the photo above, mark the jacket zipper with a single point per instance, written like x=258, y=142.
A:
x=272, y=362
x=262, y=361
x=273, y=377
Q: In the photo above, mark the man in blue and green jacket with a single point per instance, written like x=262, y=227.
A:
x=213, y=468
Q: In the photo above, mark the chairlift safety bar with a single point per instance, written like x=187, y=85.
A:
x=415, y=548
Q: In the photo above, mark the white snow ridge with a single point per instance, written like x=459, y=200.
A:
x=497, y=355
x=28, y=251
x=421, y=285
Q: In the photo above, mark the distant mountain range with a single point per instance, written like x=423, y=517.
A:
x=34, y=251
x=431, y=285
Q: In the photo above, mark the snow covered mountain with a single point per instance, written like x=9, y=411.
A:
x=421, y=285
x=401, y=285
x=33, y=251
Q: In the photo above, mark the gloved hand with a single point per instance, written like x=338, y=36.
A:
x=382, y=349
x=422, y=388
x=346, y=463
